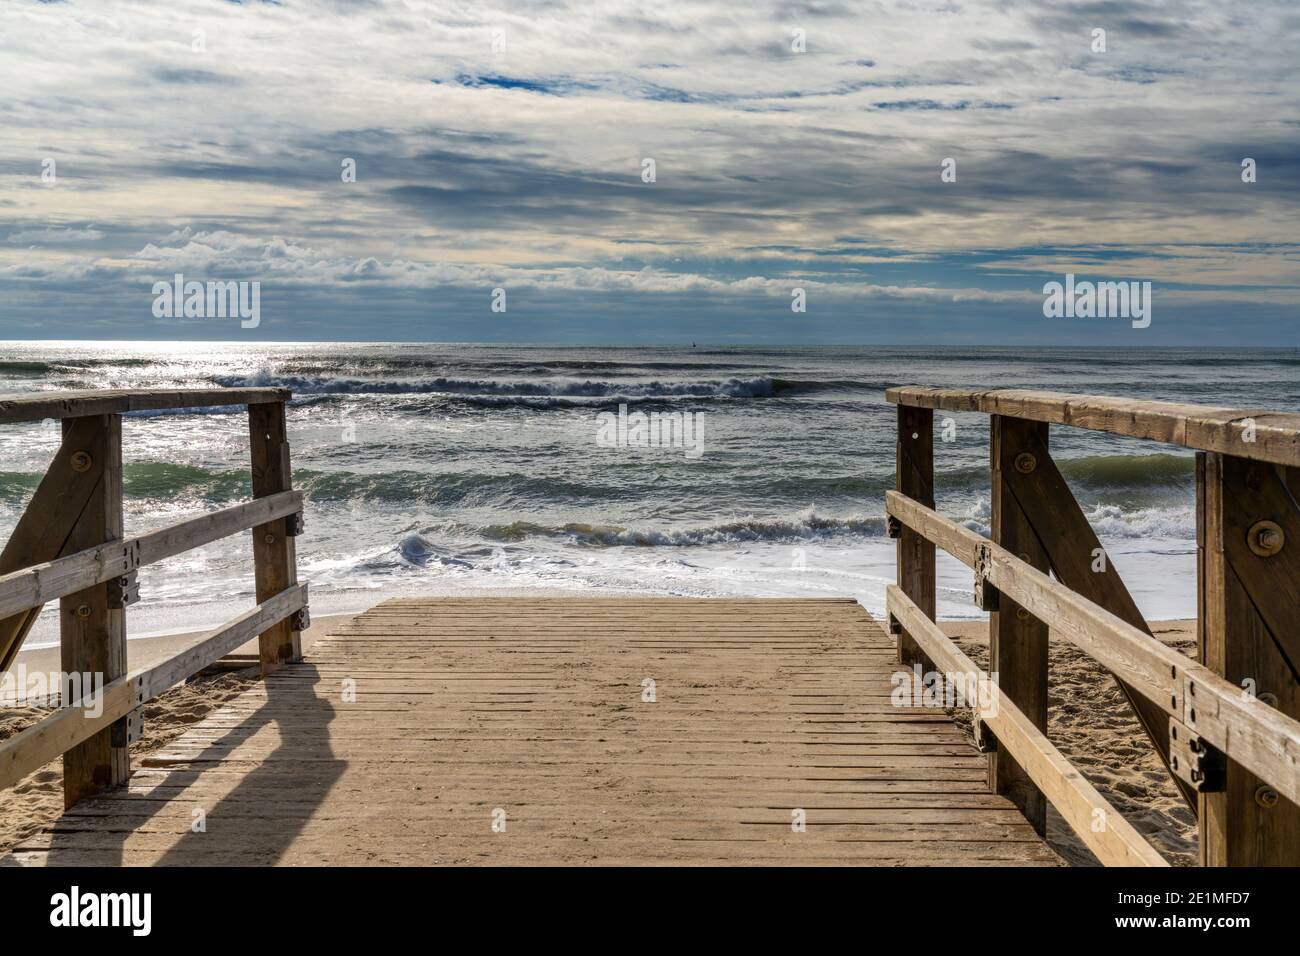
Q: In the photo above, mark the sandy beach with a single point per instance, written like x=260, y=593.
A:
x=1089, y=720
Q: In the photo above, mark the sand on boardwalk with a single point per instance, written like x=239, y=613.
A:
x=1089, y=720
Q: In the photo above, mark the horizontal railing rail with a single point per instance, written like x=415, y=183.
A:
x=1257, y=434
x=1239, y=724
x=38, y=585
x=38, y=406
x=1111, y=838
x=1225, y=724
x=69, y=546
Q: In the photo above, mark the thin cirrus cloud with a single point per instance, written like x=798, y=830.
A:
x=503, y=146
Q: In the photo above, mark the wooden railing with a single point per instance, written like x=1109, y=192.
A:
x=1225, y=724
x=69, y=545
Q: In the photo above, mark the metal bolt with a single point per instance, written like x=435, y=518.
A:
x=1266, y=796
x=1265, y=538
x=83, y=610
x=81, y=461
x=270, y=538
x=1022, y=614
x=1025, y=463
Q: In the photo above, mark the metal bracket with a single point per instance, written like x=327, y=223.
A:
x=893, y=527
x=301, y=619
x=293, y=524
x=1194, y=761
x=128, y=729
x=986, y=742
x=123, y=590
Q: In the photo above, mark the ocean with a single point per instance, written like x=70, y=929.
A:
x=437, y=469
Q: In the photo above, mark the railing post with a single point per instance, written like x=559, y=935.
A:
x=1248, y=563
x=1017, y=639
x=914, y=477
x=274, y=558
x=92, y=635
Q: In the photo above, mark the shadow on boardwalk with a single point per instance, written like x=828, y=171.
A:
x=237, y=831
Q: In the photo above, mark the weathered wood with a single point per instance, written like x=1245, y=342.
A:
x=1081, y=564
x=1017, y=639
x=274, y=554
x=1254, y=433
x=1115, y=842
x=1248, y=635
x=92, y=635
x=34, y=586
x=546, y=718
x=80, y=720
x=1250, y=732
x=37, y=406
x=44, y=528
x=915, y=555
x=1263, y=505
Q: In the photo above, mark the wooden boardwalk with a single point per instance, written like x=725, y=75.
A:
x=403, y=738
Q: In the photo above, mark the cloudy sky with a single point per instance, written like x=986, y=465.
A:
x=503, y=146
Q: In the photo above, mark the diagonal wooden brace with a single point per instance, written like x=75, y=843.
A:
x=1080, y=564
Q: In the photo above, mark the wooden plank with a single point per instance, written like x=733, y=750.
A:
x=44, y=529
x=1248, y=635
x=1252, y=733
x=34, y=586
x=1259, y=434
x=79, y=720
x=37, y=406
x=1080, y=563
x=275, y=563
x=1115, y=842
x=549, y=724
x=1017, y=639
x=1271, y=581
x=92, y=635
x=915, y=555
